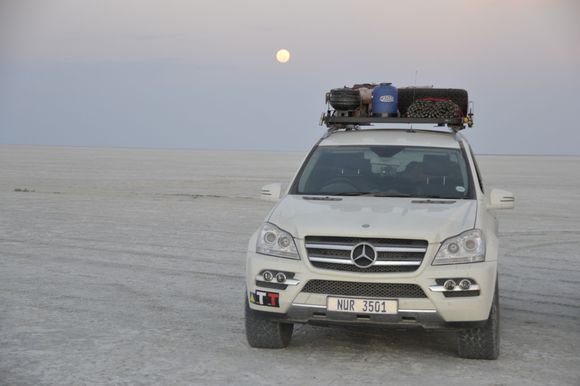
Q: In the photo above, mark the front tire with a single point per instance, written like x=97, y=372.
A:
x=482, y=342
x=262, y=333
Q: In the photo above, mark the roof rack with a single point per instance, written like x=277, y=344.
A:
x=338, y=122
x=352, y=107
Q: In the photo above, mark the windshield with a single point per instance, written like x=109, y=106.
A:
x=389, y=171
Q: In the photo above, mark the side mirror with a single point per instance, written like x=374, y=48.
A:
x=273, y=192
x=501, y=199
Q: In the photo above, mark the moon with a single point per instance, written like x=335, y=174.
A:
x=283, y=56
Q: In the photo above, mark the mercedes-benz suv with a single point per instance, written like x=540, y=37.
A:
x=379, y=227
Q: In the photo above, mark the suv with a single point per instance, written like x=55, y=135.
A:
x=379, y=227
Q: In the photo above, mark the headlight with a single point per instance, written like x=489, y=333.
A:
x=276, y=242
x=468, y=247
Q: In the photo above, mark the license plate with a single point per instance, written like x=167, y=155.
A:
x=362, y=306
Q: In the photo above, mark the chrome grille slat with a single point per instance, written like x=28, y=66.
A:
x=330, y=246
x=333, y=261
x=378, y=263
x=392, y=255
x=371, y=269
x=315, y=256
x=398, y=262
x=399, y=249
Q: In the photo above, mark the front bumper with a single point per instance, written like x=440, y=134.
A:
x=433, y=310
x=429, y=319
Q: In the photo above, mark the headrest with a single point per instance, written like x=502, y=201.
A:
x=436, y=165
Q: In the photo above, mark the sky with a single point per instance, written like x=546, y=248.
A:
x=203, y=74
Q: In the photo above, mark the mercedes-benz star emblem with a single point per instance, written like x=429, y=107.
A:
x=363, y=255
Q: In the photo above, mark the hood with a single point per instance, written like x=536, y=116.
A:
x=382, y=217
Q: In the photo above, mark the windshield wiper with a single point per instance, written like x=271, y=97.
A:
x=321, y=198
x=351, y=194
x=385, y=194
x=440, y=197
x=374, y=194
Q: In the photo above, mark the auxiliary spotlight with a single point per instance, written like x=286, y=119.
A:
x=465, y=284
x=449, y=285
x=267, y=275
x=280, y=277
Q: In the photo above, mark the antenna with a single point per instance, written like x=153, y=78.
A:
x=414, y=90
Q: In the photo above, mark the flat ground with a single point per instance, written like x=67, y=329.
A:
x=126, y=267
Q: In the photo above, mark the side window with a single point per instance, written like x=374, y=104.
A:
x=476, y=169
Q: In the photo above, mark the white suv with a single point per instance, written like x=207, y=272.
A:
x=379, y=227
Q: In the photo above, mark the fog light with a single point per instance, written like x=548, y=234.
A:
x=280, y=277
x=449, y=285
x=267, y=275
x=464, y=284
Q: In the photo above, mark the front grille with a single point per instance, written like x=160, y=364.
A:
x=392, y=255
x=352, y=288
x=371, y=269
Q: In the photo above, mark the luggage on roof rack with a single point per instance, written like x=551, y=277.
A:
x=353, y=106
x=409, y=95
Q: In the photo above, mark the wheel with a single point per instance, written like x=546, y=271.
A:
x=407, y=96
x=262, y=333
x=482, y=342
x=345, y=99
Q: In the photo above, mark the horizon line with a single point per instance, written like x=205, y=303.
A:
x=120, y=147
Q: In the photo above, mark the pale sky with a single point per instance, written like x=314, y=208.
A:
x=203, y=74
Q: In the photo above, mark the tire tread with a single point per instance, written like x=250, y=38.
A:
x=482, y=342
x=262, y=333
